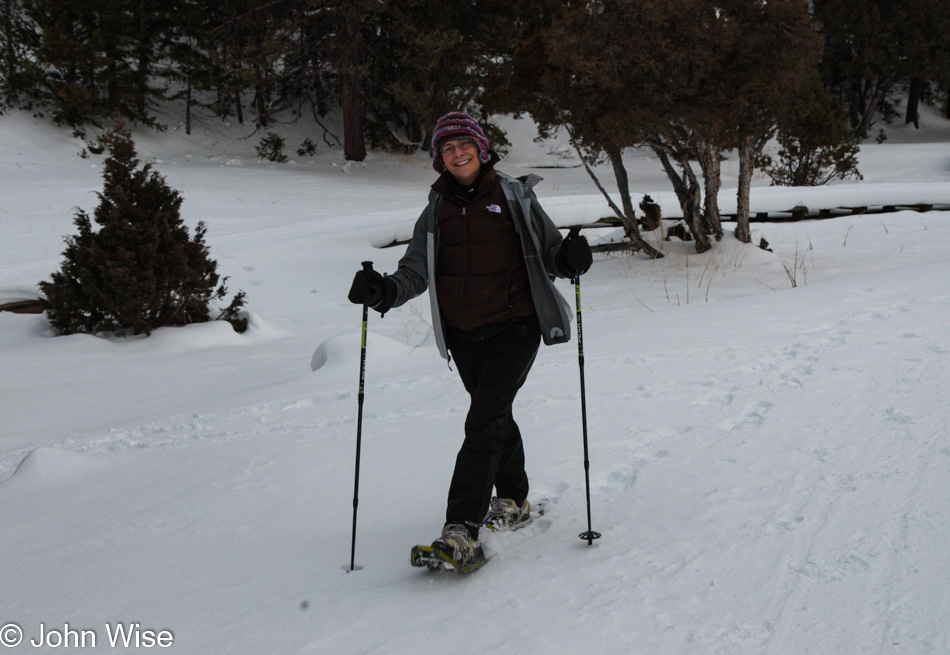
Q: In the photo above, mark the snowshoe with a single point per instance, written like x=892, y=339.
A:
x=455, y=551
x=506, y=514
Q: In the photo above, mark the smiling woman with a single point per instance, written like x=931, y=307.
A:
x=487, y=253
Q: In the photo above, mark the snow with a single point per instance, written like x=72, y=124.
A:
x=768, y=431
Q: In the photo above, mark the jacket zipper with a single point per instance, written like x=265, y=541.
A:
x=464, y=254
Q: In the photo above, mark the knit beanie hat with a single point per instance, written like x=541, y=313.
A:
x=457, y=125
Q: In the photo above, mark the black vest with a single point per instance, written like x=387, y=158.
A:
x=480, y=271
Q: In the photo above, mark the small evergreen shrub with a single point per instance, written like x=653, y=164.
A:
x=816, y=143
x=141, y=270
x=271, y=148
x=307, y=148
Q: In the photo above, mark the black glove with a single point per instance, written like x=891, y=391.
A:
x=371, y=288
x=367, y=288
x=574, y=258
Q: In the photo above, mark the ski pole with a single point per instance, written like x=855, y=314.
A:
x=589, y=535
x=367, y=267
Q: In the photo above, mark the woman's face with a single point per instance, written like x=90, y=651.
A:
x=460, y=157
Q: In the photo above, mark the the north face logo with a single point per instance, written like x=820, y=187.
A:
x=495, y=209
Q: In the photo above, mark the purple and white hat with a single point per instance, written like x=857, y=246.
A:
x=457, y=125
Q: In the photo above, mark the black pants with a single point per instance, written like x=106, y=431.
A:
x=493, y=363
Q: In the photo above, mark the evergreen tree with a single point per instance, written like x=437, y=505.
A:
x=618, y=74
x=772, y=50
x=687, y=78
x=435, y=57
x=15, y=40
x=209, y=57
x=68, y=60
x=872, y=46
x=340, y=28
x=816, y=143
x=89, y=60
x=397, y=66
x=189, y=63
x=141, y=270
x=255, y=39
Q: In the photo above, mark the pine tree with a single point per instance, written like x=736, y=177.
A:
x=816, y=144
x=617, y=74
x=875, y=46
x=774, y=50
x=141, y=270
x=15, y=38
x=88, y=60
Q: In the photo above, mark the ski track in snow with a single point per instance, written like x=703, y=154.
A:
x=795, y=538
x=701, y=499
x=808, y=527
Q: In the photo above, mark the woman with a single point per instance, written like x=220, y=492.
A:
x=488, y=253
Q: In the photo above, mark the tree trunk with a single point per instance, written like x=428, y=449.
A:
x=188, y=107
x=623, y=186
x=631, y=230
x=679, y=185
x=354, y=107
x=414, y=129
x=743, y=233
x=260, y=103
x=143, y=67
x=913, y=101
x=856, y=104
x=630, y=226
x=354, y=141
x=9, y=52
x=694, y=212
x=879, y=92
x=712, y=180
x=427, y=140
x=687, y=192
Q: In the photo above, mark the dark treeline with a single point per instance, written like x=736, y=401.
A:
x=687, y=78
x=392, y=66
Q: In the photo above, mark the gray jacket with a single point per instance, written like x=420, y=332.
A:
x=540, y=242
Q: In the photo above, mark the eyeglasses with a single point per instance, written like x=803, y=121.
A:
x=464, y=144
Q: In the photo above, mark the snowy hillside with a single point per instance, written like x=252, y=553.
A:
x=770, y=463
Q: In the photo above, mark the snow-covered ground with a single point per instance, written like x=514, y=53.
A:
x=770, y=463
